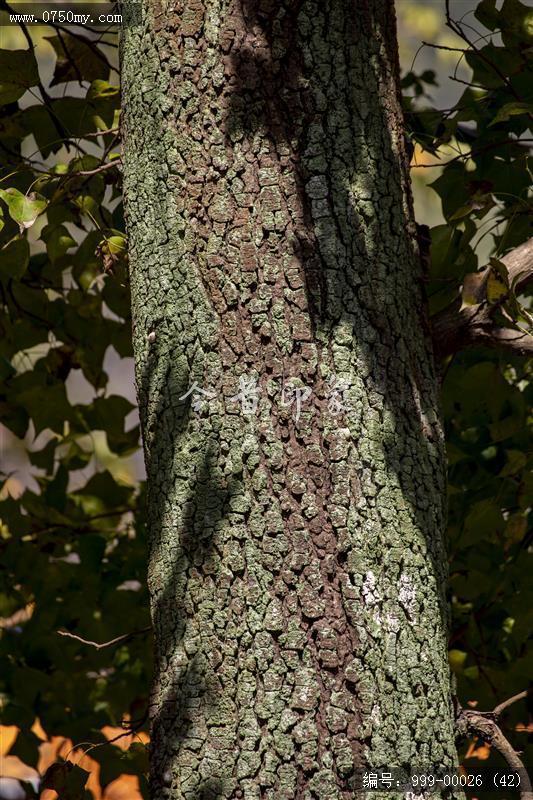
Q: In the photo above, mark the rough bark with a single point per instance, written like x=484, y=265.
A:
x=297, y=567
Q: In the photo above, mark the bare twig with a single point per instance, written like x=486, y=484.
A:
x=457, y=327
x=99, y=133
x=506, y=703
x=96, y=170
x=444, y=47
x=100, y=645
x=18, y=617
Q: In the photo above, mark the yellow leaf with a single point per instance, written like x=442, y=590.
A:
x=457, y=660
x=496, y=289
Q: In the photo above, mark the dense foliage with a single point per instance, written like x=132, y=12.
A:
x=73, y=541
x=72, y=537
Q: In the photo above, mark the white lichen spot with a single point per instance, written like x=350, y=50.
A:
x=369, y=590
x=392, y=623
x=407, y=595
x=375, y=715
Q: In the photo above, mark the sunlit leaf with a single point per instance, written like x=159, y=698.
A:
x=23, y=208
x=512, y=110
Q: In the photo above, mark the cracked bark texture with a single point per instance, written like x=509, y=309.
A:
x=296, y=566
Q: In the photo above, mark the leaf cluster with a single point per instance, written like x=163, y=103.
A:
x=72, y=538
x=481, y=151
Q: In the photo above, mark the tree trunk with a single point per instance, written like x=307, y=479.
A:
x=296, y=512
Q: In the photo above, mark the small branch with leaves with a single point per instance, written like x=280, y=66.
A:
x=470, y=319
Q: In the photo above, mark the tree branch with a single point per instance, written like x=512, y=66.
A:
x=506, y=703
x=108, y=165
x=456, y=327
x=483, y=725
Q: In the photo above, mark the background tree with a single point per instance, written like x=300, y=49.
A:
x=65, y=306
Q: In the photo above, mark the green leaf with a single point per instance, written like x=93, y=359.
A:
x=108, y=414
x=446, y=248
x=106, y=491
x=100, y=89
x=452, y=188
x=462, y=211
x=483, y=523
x=58, y=241
x=55, y=493
x=51, y=414
x=511, y=110
x=516, y=528
x=76, y=457
x=14, y=259
x=78, y=59
x=26, y=747
x=116, y=245
x=44, y=458
x=6, y=369
x=472, y=673
x=516, y=21
x=116, y=296
x=457, y=659
x=491, y=65
x=75, y=115
x=23, y=209
x=14, y=418
x=18, y=72
x=505, y=428
x=67, y=779
x=487, y=13
x=516, y=460
x=37, y=121
x=91, y=550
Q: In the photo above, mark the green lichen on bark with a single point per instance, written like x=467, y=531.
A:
x=296, y=567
